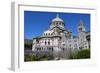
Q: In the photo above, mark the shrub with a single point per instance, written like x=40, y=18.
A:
x=29, y=58
x=37, y=58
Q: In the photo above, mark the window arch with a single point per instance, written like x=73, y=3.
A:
x=45, y=42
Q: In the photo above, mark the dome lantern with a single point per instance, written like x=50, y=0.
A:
x=57, y=19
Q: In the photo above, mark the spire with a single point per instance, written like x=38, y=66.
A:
x=81, y=26
x=81, y=23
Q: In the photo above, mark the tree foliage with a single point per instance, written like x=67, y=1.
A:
x=27, y=46
x=36, y=58
x=82, y=54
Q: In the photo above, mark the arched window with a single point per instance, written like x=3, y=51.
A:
x=45, y=42
x=48, y=42
x=46, y=34
x=49, y=49
x=63, y=49
x=57, y=23
x=52, y=48
x=49, y=33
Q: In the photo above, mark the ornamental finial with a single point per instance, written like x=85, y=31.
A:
x=57, y=16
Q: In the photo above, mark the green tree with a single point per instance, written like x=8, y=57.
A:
x=82, y=54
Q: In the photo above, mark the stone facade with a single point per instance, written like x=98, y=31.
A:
x=59, y=41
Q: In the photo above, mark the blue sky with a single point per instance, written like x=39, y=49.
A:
x=35, y=23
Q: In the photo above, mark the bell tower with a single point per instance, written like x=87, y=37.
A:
x=81, y=27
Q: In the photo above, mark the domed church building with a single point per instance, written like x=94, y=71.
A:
x=59, y=42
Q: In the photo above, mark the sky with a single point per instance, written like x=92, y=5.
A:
x=35, y=23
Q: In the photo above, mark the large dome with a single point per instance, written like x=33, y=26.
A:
x=57, y=19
